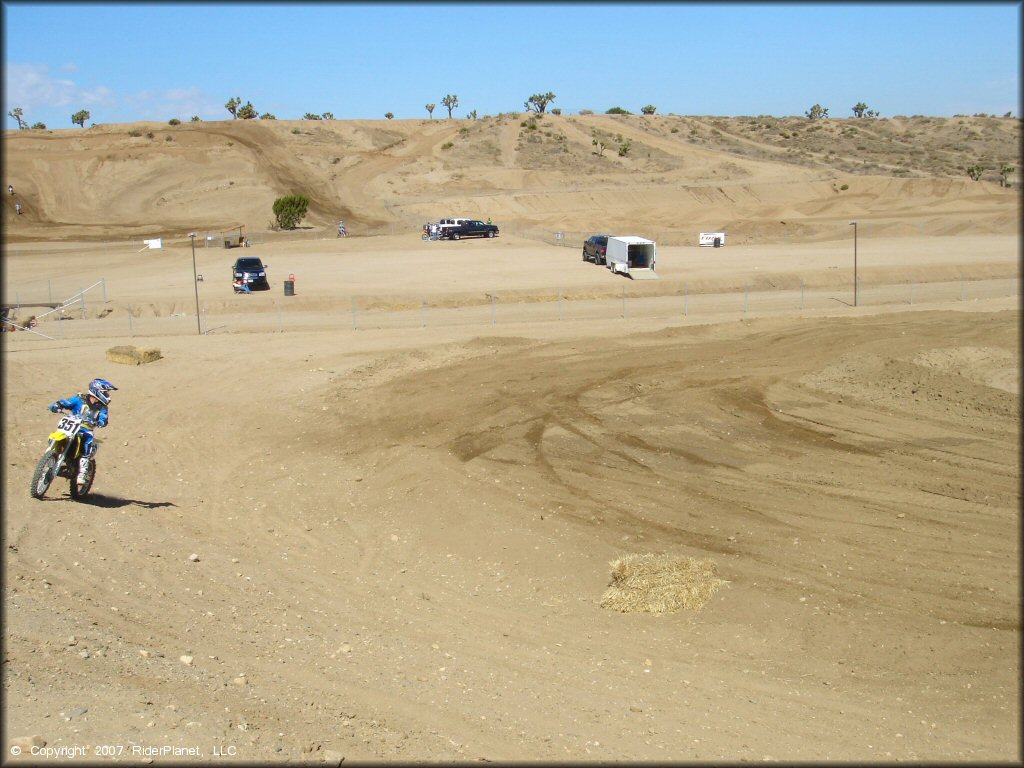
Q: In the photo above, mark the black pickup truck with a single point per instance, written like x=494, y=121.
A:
x=471, y=228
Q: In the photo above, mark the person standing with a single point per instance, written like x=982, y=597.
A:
x=10, y=188
x=17, y=208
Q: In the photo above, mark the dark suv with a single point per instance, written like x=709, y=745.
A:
x=252, y=270
x=595, y=249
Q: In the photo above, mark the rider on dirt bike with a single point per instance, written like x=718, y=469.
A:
x=92, y=406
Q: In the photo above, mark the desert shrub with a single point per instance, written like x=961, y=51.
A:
x=845, y=187
x=447, y=145
x=556, y=111
x=174, y=121
x=586, y=111
x=135, y=133
x=290, y=210
x=674, y=130
x=168, y=138
x=296, y=131
x=39, y=125
x=617, y=111
x=149, y=134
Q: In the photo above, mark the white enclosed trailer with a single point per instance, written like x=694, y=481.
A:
x=633, y=256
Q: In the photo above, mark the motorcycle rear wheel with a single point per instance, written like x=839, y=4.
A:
x=43, y=475
x=79, y=490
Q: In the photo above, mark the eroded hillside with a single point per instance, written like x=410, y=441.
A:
x=760, y=178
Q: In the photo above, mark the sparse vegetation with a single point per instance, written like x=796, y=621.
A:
x=196, y=119
x=267, y=116
x=290, y=210
x=247, y=111
x=80, y=117
x=17, y=114
x=650, y=109
x=539, y=102
x=389, y=115
x=617, y=111
x=450, y=102
x=174, y=121
x=817, y=112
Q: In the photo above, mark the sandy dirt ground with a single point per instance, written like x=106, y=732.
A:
x=322, y=543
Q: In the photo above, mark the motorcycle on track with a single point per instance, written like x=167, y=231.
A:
x=61, y=458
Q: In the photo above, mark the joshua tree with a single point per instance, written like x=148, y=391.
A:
x=248, y=112
x=17, y=114
x=196, y=119
x=233, y=105
x=859, y=109
x=389, y=115
x=310, y=116
x=539, y=102
x=328, y=116
x=975, y=171
x=650, y=109
x=1004, y=171
x=817, y=112
x=450, y=102
x=430, y=110
x=80, y=117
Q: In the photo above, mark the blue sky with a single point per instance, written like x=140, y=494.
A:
x=155, y=61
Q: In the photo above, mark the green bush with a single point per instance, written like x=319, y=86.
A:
x=447, y=145
x=174, y=121
x=290, y=210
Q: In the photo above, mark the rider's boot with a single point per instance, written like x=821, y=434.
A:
x=83, y=469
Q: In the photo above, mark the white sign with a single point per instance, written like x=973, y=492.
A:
x=708, y=238
x=155, y=244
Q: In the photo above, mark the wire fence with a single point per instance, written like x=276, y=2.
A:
x=83, y=317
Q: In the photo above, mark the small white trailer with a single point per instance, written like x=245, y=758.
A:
x=633, y=256
x=713, y=239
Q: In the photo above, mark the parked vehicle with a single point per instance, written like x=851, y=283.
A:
x=252, y=270
x=595, y=249
x=61, y=459
x=633, y=256
x=471, y=228
x=446, y=224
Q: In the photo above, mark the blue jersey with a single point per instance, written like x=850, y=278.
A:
x=78, y=406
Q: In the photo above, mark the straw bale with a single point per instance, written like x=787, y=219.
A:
x=660, y=584
x=129, y=355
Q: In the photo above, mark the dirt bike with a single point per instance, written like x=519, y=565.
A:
x=61, y=458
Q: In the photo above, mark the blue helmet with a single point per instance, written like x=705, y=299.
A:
x=100, y=389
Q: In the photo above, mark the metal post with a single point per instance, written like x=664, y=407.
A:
x=81, y=295
x=355, y=322
x=204, y=320
x=130, y=331
x=746, y=298
x=423, y=311
x=195, y=281
x=686, y=297
x=103, y=281
x=623, y=302
x=49, y=292
x=559, y=305
x=801, y=294
x=854, y=225
x=492, y=309
x=280, y=323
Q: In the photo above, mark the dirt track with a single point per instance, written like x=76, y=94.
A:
x=312, y=542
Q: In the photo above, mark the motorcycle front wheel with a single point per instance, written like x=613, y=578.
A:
x=43, y=475
x=79, y=490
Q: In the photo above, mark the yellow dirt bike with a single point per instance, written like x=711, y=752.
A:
x=61, y=458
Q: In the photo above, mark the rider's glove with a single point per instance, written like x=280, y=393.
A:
x=54, y=408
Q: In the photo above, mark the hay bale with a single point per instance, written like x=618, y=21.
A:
x=660, y=584
x=128, y=355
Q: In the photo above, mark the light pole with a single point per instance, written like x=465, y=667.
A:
x=195, y=281
x=854, y=225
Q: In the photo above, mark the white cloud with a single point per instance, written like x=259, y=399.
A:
x=31, y=87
